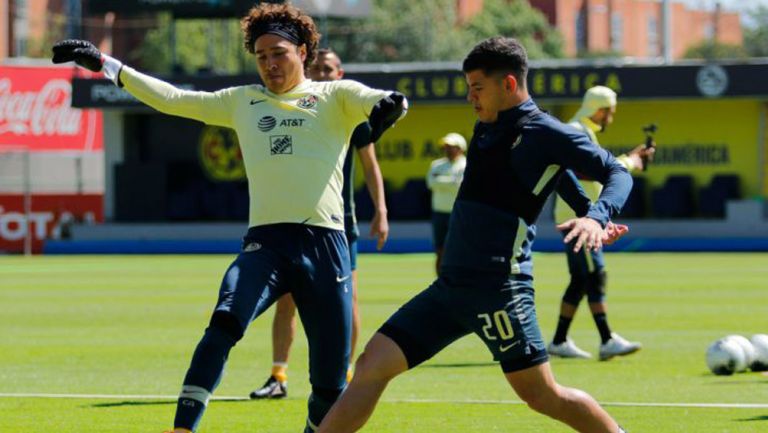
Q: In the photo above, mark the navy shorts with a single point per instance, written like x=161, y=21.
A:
x=439, y=228
x=499, y=310
x=584, y=262
x=312, y=263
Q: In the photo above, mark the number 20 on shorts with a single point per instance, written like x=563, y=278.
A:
x=502, y=323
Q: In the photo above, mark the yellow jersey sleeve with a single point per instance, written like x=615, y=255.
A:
x=292, y=144
x=213, y=108
x=356, y=99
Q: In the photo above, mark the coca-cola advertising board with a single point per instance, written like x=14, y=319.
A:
x=36, y=117
x=36, y=112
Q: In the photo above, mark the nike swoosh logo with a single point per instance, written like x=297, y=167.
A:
x=340, y=279
x=505, y=348
x=255, y=101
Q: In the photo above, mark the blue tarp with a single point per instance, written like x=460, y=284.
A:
x=416, y=245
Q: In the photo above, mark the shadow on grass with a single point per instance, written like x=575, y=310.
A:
x=158, y=402
x=755, y=418
x=461, y=365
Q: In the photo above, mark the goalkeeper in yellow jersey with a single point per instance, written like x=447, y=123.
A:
x=293, y=134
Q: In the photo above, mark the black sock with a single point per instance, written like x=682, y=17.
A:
x=561, y=334
x=602, y=326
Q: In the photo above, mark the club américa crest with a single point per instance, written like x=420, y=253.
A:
x=220, y=156
x=307, y=102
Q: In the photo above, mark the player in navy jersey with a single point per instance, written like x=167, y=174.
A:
x=327, y=67
x=516, y=158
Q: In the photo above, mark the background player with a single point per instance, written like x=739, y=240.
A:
x=293, y=134
x=443, y=179
x=587, y=267
x=516, y=158
x=327, y=67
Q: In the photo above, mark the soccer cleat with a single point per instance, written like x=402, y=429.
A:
x=618, y=346
x=567, y=349
x=272, y=388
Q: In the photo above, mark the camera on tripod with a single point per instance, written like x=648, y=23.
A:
x=649, y=131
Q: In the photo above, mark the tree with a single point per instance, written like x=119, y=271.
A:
x=516, y=18
x=201, y=45
x=713, y=50
x=407, y=30
x=396, y=31
x=756, y=34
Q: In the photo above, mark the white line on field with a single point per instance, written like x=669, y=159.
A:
x=401, y=400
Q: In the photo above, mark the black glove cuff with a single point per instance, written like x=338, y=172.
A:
x=385, y=113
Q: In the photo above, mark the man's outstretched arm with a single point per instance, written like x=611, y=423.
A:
x=213, y=108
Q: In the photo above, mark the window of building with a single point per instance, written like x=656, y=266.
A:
x=581, y=31
x=709, y=31
x=653, y=36
x=617, y=32
x=20, y=28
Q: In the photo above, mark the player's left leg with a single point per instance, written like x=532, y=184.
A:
x=536, y=386
x=381, y=361
x=510, y=330
x=416, y=332
x=579, y=264
x=322, y=291
x=611, y=343
x=250, y=286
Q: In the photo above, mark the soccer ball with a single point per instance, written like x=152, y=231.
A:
x=725, y=356
x=749, y=351
x=760, y=344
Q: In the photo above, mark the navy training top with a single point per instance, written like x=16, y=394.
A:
x=510, y=173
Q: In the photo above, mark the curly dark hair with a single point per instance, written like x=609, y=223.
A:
x=499, y=55
x=283, y=13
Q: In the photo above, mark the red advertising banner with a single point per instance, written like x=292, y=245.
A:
x=36, y=112
x=49, y=213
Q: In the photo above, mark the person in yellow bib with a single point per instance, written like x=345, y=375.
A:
x=294, y=134
x=586, y=267
x=443, y=179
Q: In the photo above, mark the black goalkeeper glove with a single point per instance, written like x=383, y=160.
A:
x=88, y=56
x=385, y=113
x=81, y=52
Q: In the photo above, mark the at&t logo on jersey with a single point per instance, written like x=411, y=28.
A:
x=281, y=145
x=267, y=123
x=307, y=102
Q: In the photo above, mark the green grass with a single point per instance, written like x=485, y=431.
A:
x=126, y=325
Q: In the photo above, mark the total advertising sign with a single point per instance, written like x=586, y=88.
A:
x=49, y=215
x=36, y=116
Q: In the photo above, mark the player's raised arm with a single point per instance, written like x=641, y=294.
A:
x=209, y=107
x=583, y=156
x=574, y=195
x=386, y=112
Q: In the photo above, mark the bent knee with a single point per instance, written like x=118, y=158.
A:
x=227, y=323
x=370, y=367
x=542, y=400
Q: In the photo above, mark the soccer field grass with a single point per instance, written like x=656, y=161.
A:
x=110, y=337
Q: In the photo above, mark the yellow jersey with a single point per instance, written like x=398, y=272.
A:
x=293, y=144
